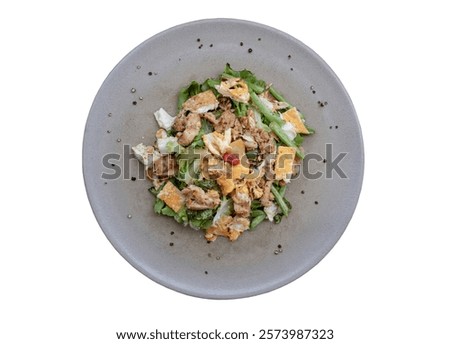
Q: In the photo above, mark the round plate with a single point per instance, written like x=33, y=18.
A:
x=323, y=197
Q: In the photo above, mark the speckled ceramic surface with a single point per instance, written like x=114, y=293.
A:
x=178, y=257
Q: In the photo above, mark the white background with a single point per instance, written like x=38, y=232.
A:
x=387, y=279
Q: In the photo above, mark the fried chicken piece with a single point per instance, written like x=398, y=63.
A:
x=201, y=103
x=241, y=201
x=192, y=127
x=237, y=227
x=164, y=167
x=219, y=229
x=227, y=226
x=225, y=121
x=197, y=199
x=267, y=195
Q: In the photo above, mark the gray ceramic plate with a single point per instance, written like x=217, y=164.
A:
x=178, y=257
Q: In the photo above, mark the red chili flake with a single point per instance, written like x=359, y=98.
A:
x=233, y=159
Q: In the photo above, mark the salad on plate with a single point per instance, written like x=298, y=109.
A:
x=223, y=163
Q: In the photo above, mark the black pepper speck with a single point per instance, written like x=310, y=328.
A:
x=315, y=202
x=211, y=45
x=250, y=50
x=198, y=39
x=241, y=44
x=171, y=244
x=133, y=179
x=289, y=56
x=134, y=102
x=302, y=192
x=150, y=73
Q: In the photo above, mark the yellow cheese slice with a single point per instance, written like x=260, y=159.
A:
x=238, y=148
x=172, y=197
x=293, y=116
x=226, y=184
x=285, y=162
x=239, y=171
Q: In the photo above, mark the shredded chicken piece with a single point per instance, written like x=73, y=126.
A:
x=197, y=199
x=267, y=196
x=212, y=167
x=164, y=167
x=225, y=121
x=248, y=121
x=224, y=103
x=237, y=226
x=233, y=234
x=210, y=117
x=228, y=120
x=180, y=122
x=236, y=130
x=157, y=183
x=193, y=125
x=219, y=229
x=227, y=226
x=255, y=187
x=265, y=141
x=241, y=201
